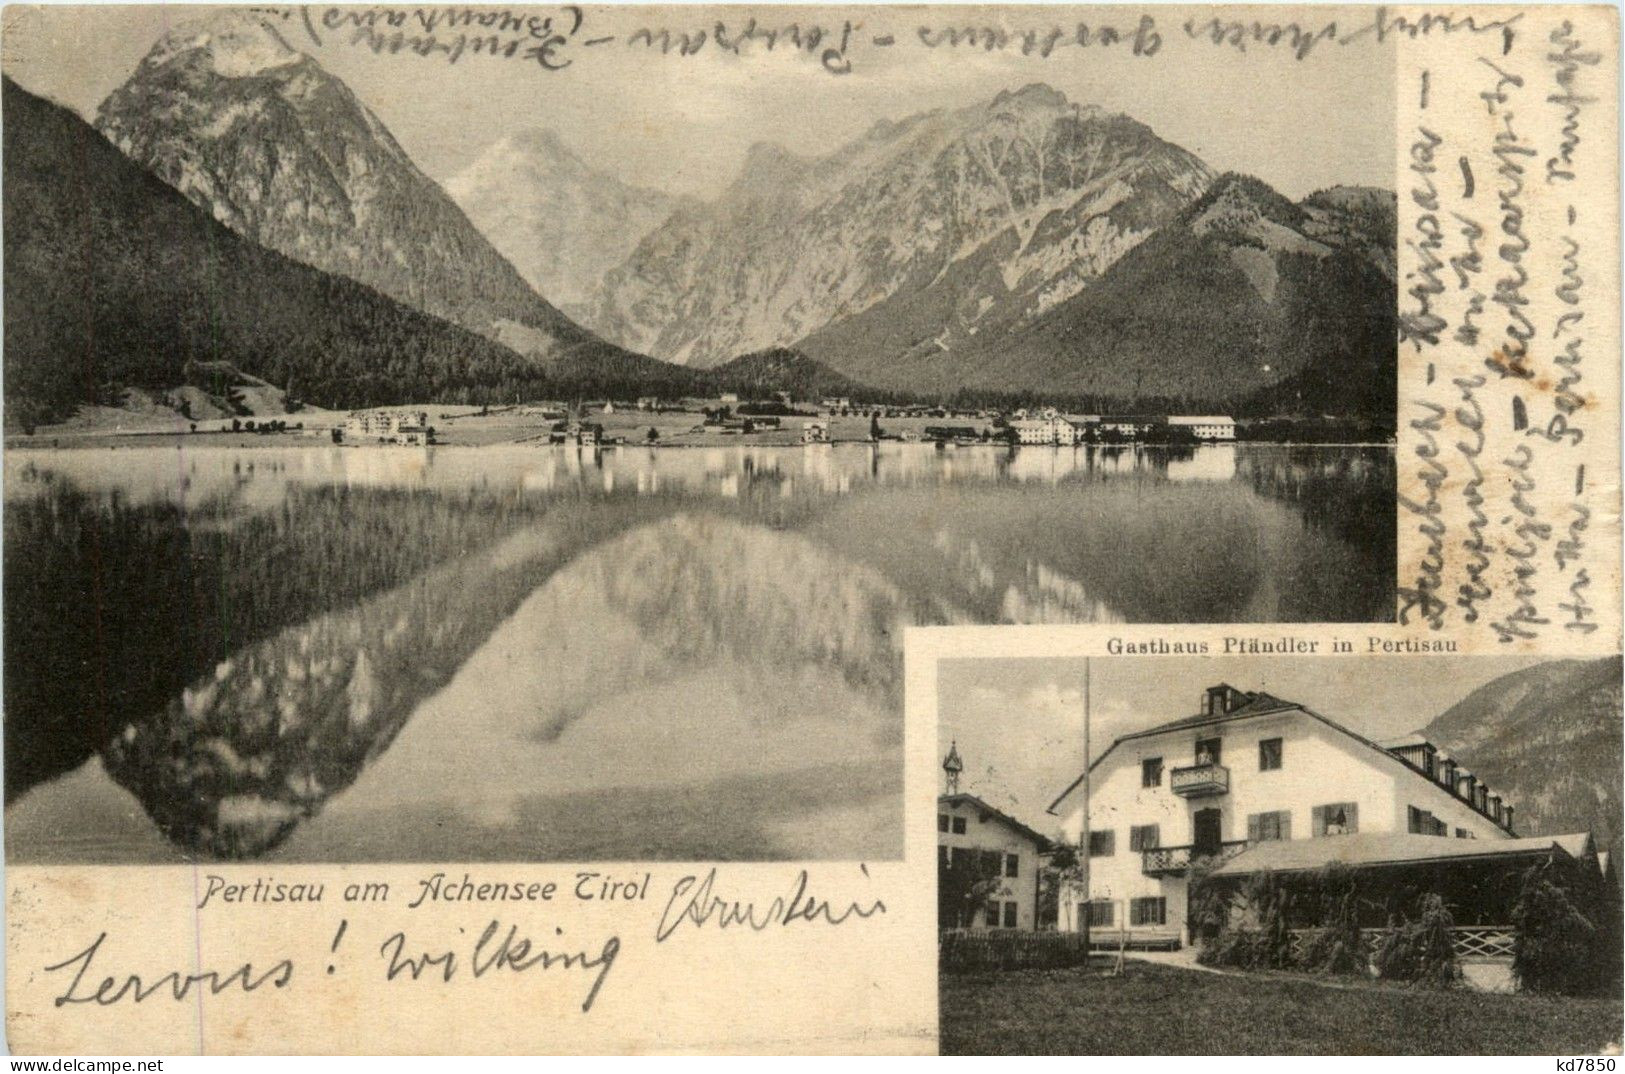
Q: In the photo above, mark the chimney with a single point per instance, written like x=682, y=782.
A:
x=1221, y=699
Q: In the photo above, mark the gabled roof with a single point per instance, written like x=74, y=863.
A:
x=998, y=814
x=1392, y=848
x=1258, y=704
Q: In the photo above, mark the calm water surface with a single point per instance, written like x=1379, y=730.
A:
x=522, y=653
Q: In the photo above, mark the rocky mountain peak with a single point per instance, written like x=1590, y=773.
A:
x=558, y=219
x=231, y=44
x=1033, y=94
x=975, y=219
x=543, y=141
x=227, y=111
x=1236, y=196
x=768, y=165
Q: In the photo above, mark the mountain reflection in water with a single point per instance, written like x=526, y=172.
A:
x=548, y=654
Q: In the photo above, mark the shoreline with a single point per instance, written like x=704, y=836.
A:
x=286, y=441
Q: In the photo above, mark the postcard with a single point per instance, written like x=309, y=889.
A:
x=472, y=476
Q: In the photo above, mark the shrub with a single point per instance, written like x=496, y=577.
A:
x=1338, y=948
x=1254, y=939
x=1563, y=944
x=1270, y=900
x=1420, y=951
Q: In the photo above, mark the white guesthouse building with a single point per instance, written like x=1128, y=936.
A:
x=1253, y=782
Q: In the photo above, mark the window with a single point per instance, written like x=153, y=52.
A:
x=1100, y=913
x=1152, y=911
x=1102, y=844
x=1009, y=915
x=1012, y=865
x=1266, y=827
x=991, y=863
x=990, y=914
x=1269, y=754
x=1144, y=837
x=1422, y=822
x=1151, y=772
x=959, y=825
x=1207, y=751
x=1338, y=818
x=942, y=822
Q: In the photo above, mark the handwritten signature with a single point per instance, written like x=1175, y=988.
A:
x=694, y=901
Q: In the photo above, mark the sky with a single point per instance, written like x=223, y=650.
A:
x=684, y=124
x=1018, y=723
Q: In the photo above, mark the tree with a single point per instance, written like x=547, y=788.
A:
x=874, y=426
x=1566, y=940
x=653, y=435
x=1420, y=949
x=965, y=882
x=1061, y=872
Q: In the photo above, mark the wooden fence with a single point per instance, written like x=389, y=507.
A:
x=970, y=950
x=1469, y=941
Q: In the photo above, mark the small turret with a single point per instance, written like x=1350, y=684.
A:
x=952, y=765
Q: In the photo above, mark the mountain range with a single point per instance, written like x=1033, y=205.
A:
x=113, y=279
x=1025, y=244
x=1547, y=739
x=260, y=136
x=977, y=216
x=1271, y=307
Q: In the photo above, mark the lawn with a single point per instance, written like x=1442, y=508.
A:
x=1164, y=1010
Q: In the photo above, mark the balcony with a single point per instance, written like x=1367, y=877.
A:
x=1200, y=781
x=1176, y=861
x=1165, y=861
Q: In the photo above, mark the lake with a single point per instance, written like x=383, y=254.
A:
x=315, y=653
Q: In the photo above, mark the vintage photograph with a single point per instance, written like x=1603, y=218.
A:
x=1299, y=855
x=424, y=441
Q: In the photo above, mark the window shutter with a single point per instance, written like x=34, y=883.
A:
x=1351, y=810
x=1252, y=827
x=1286, y=823
x=1153, y=837
x=1318, y=820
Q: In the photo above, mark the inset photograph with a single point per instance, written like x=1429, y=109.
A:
x=1298, y=855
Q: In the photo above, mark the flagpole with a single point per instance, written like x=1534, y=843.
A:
x=1083, y=848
